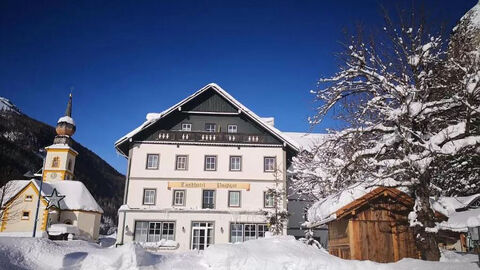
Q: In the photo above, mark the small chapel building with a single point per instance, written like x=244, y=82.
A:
x=62, y=206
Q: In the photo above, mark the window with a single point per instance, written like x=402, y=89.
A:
x=55, y=162
x=168, y=231
x=234, y=199
x=181, y=163
x=232, y=128
x=28, y=198
x=268, y=201
x=210, y=163
x=25, y=215
x=262, y=229
x=149, y=196
x=202, y=235
x=269, y=164
x=186, y=127
x=249, y=232
x=236, y=233
x=235, y=163
x=69, y=166
x=179, y=197
x=152, y=161
x=154, y=231
x=209, y=127
x=208, y=200
x=242, y=232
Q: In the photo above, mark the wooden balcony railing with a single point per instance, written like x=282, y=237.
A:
x=191, y=136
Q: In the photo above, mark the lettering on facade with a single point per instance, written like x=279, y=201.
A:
x=209, y=185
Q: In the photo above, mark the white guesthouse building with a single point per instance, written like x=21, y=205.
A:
x=198, y=173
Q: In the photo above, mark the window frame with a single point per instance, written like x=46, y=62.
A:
x=154, y=196
x=230, y=163
x=214, y=127
x=239, y=199
x=274, y=163
x=28, y=199
x=205, y=163
x=232, y=125
x=187, y=124
x=186, y=162
x=23, y=215
x=184, y=197
x=265, y=201
x=257, y=230
x=148, y=228
x=158, y=162
x=214, y=198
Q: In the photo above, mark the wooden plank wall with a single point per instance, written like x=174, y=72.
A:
x=379, y=232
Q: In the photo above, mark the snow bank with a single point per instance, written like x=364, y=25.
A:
x=273, y=253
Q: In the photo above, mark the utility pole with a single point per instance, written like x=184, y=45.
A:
x=39, y=193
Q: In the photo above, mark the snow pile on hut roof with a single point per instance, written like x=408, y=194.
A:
x=77, y=196
x=324, y=210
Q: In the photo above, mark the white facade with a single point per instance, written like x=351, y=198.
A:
x=198, y=174
x=251, y=182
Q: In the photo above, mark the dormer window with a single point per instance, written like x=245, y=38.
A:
x=232, y=129
x=210, y=127
x=186, y=127
x=55, y=162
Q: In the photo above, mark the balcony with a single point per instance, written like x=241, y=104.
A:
x=210, y=137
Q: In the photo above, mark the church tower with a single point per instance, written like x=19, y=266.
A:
x=60, y=159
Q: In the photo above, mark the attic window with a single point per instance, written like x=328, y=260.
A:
x=25, y=215
x=232, y=129
x=209, y=127
x=186, y=127
x=28, y=198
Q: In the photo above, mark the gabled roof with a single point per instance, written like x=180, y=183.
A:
x=77, y=196
x=327, y=209
x=379, y=191
x=152, y=118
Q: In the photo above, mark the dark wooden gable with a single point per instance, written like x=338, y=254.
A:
x=209, y=101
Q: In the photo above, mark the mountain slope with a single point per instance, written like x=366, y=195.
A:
x=21, y=137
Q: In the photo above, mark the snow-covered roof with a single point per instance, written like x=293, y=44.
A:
x=449, y=205
x=306, y=141
x=460, y=221
x=77, y=196
x=154, y=117
x=325, y=210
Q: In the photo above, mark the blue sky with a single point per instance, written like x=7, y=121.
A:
x=127, y=58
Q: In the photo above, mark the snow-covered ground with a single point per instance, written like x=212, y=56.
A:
x=270, y=253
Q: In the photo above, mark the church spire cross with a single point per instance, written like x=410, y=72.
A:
x=68, y=111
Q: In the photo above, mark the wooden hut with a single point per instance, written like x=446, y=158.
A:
x=373, y=227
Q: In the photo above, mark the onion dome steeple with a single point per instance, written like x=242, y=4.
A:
x=65, y=124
